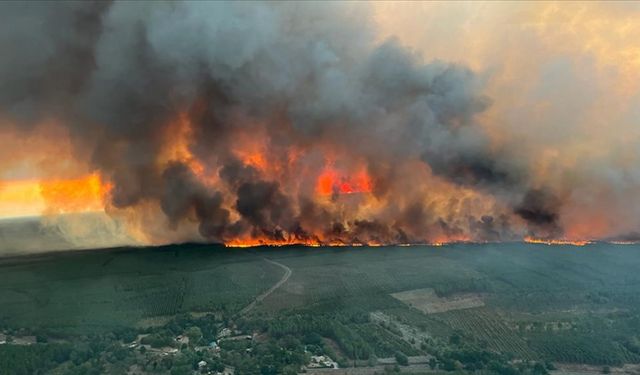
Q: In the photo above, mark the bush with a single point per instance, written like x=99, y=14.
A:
x=402, y=359
x=41, y=339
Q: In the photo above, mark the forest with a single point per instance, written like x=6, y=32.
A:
x=182, y=309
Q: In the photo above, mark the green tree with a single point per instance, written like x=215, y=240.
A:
x=194, y=334
x=539, y=369
x=402, y=359
x=455, y=339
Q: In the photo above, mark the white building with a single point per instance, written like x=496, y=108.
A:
x=322, y=361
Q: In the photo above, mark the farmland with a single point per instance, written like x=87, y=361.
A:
x=466, y=306
x=562, y=303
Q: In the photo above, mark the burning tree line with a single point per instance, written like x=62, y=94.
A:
x=265, y=123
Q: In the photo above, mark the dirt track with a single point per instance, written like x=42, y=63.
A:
x=275, y=286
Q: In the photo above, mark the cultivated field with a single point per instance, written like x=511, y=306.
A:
x=559, y=303
x=427, y=301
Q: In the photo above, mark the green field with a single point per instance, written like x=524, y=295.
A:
x=560, y=304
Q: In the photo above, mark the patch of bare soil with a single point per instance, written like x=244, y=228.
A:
x=427, y=301
x=412, y=335
x=156, y=321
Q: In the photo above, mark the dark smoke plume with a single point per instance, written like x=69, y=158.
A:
x=304, y=77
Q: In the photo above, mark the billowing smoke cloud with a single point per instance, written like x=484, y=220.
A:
x=277, y=121
x=565, y=86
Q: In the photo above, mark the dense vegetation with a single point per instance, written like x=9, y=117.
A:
x=94, y=292
x=33, y=359
x=116, y=311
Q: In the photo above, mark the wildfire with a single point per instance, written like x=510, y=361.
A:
x=557, y=241
x=241, y=243
x=250, y=145
x=256, y=160
x=314, y=171
x=254, y=242
x=274, y=243
x=332, y=181
x=179, y=136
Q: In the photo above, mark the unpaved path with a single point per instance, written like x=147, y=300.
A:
x=285, y=277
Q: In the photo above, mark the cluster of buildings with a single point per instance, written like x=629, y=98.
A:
x=322, y=361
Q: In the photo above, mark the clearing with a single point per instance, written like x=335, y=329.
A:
x=427, y=301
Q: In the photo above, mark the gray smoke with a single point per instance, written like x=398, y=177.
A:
x=117, y=73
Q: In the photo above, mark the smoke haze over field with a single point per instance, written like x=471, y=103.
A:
x=324, y=123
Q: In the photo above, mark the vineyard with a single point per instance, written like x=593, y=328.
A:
x=576, y=348
x=490, y=328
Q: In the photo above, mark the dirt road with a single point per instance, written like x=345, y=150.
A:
x=285, y=277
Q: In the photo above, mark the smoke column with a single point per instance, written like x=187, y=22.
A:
x=247, y=123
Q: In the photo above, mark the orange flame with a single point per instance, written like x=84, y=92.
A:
x=331, y=181
x=179, y=136
x=557, y=241
x=252, y=242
